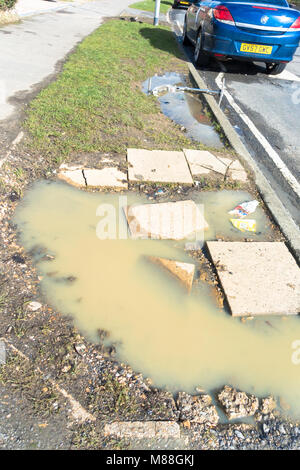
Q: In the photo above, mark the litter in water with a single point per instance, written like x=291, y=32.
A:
x=244, y=209
x=244, y=225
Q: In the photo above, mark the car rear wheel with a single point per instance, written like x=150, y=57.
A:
x=200, y=58
x=275, y=69
x=185, y=39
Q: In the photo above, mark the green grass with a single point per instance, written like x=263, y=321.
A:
x=96, y=104
x=149, y=5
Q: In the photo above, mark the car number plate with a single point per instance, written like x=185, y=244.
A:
x=256, y=48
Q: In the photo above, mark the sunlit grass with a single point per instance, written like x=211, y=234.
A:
x=149, y=5
x=96, y=104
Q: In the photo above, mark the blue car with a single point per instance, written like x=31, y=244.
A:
x=261, y=31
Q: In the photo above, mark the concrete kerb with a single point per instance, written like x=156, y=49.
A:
x=286, y=224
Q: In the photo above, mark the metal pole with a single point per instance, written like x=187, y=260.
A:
x=156, y=14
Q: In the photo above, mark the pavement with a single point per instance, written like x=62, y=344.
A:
x=33, y=7
x=39, y=42
x=266, y=113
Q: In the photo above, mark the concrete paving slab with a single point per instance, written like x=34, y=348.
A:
x=183, y=272
x=74, y=177
x=237, y=172
x=168, y=220
x=158, y=166
x=109, y=177
x=143, y=429
x=259, y=278
x=238, y=175
x=203, y=162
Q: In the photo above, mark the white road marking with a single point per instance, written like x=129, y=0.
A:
x=289, y=177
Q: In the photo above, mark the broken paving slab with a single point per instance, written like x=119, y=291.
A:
x=202, y=162
x=109, y=177
x=158, y=166
x=237, y=171
x=183, y=272
x=167, y=220
x=73, y=176
x=143, y=429
x=258, y=278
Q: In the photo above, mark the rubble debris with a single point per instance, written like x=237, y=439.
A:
x=33, y=306
x=237, y=404
x=268, y=405
x=197, y=408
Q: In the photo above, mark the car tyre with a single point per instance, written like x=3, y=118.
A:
x=200, y=58
x=275, y=69
x=185, y=39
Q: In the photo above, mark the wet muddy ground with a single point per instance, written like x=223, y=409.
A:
x=104, y=377
x=94, y=360
x=151, y=315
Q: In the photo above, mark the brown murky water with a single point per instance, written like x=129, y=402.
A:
x=179, y=341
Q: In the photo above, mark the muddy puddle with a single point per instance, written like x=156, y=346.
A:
x=185, y=109
x=179, y=341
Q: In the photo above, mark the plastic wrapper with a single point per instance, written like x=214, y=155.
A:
x=244, y=225
x=244, y=209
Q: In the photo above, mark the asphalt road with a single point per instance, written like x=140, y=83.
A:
x=266, y=113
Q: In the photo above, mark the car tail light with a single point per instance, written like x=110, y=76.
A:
x=296, y=25
x=221, y=13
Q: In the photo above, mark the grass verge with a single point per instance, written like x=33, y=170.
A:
x=96, y=104
x=149, y=5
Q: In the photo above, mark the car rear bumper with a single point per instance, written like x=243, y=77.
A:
x=226, y=40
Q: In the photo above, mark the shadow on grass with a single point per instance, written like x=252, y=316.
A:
x=162, y=39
